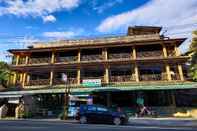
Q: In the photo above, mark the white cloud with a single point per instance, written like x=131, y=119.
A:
x=105, y=5
x=59, y=35
x=49, y=18
x=156, y=12
x=36, y=8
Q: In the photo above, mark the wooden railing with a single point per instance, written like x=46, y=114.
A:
x=39, y=60
x=66, y=59
x=91, y=57
x=153, y=77
x=122, y=78
x=58, y=81
x=119, y=55
x=38, y=82
x=143, y=54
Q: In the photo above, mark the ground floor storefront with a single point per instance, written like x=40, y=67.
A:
x=165, y=100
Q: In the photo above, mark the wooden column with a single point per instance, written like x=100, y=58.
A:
x=177, y=51
x=24, y=79
x=106, y=76
x=105, y=54
x=53, y=57
x=180, y=69
x=79, y=56
x=78, y=76
x=17, y=59
x=21, y=77
x=164, y=51
x=26, y=60
x=14, y=78
x=173, y=99
x=134, y=53
x=136, y=73
x=169, y=78
x=51, y=77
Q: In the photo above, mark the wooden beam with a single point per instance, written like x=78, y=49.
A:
x=26, y=59
x=14, y=78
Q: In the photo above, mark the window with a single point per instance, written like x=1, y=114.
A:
x=91, y=108
x=102, y=109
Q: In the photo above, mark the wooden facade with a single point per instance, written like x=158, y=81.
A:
x=141, y=56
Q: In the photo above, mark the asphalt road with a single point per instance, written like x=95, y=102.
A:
x=29, y=125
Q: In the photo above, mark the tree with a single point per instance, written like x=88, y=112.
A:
x=4, y=73
x=193, y=50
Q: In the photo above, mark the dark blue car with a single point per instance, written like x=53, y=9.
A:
x=100, y=114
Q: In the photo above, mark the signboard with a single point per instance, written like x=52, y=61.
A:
x=91, y=82
x=13, y=100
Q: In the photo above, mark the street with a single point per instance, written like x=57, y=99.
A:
x=37, y=125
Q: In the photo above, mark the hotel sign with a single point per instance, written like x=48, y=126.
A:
x=91, y=82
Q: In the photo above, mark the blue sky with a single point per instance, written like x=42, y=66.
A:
x=23, y=22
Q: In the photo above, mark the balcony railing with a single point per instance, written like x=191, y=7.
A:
x=143, y=54
x=123, y=78
x=58, y=81
x=38, y=82
x=91, y=57
x=66, y=59
x=119, y=56
x=39, y=60
x=153, y=77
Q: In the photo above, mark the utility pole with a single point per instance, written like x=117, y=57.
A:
x=66, y=97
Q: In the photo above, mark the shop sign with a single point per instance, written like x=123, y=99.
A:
x=91, y=82
x=13, y=100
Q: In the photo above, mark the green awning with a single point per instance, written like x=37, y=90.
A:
x=85, y=91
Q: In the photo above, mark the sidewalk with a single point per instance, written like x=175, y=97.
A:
x=170, y=122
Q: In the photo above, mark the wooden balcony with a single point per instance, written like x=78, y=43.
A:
x=66, y=59
x=38, y=82
x=21, y=61
x=153, y=77
x=122, y=78
x=70, y=81
x=91, y=57
x=39, y=60
x=175, y=76
x=144, y=54
x=119, y=56
x=171, y=53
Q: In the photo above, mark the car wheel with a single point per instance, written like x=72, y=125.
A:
x=117, y=121
x=83, y=120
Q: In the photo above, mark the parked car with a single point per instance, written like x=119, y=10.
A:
x=100, y=114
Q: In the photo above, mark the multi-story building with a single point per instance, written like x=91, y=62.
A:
x=142, y=63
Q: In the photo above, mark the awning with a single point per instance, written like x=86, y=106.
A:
x=88, y=90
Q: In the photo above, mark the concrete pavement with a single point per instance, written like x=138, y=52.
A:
x=43, y=125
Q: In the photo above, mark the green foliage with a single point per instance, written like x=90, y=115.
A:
x=4, y=72
x=193, y=48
